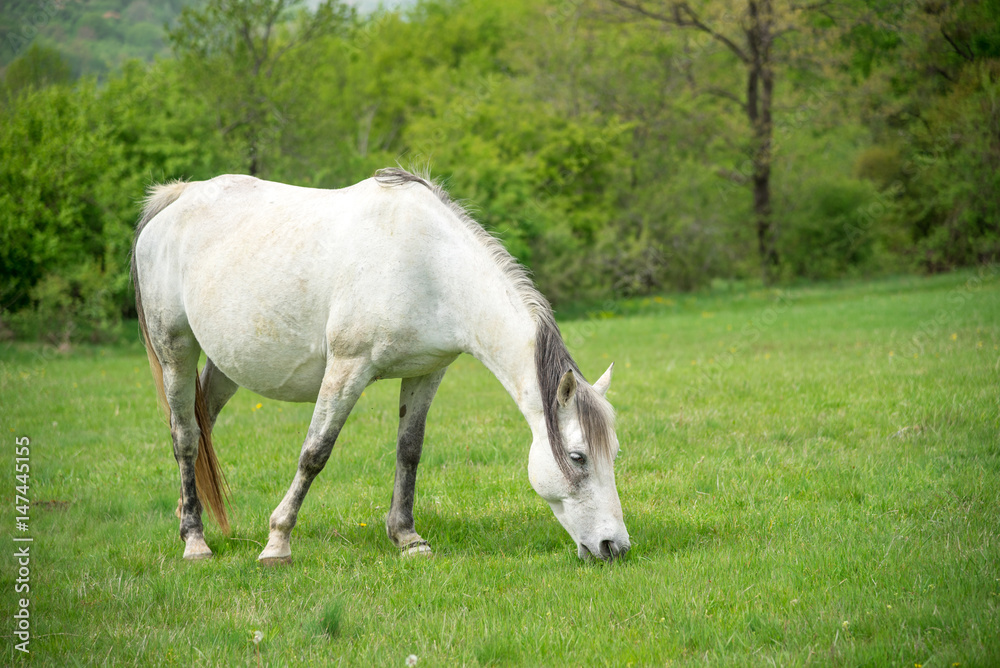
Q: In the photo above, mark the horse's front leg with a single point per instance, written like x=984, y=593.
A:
x=415, y=397
x=343, y=383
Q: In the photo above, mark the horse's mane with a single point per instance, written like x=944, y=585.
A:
x=552, y=358
x=511, y=268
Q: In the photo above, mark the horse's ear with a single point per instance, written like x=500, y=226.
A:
x=604, y=382
x=567, y=389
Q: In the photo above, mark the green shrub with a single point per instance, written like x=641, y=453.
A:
x=832, y=231
x=75, y=305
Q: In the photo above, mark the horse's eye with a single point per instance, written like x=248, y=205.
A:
x=578, y=457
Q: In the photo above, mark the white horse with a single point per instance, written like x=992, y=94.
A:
x=310, y=295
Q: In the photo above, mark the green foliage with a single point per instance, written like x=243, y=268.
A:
x=830, y=234
x=611, y=158
x=97, y=37
x=882, y=165
x=37, y=68
x=936, y=123
x=956, y=218
x=236, y=55
x=73, y=166
x=58, y=205
x=76, y=303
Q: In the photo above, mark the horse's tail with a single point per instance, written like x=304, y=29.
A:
x=209, y=479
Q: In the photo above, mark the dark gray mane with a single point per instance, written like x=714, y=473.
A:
x=552, y=359
x=596, y=416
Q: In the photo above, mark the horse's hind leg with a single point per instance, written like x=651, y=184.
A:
x=343, y=383
x=415, y=397
x=217, y=389
x=179, y=359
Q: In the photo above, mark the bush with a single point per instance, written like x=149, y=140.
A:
x=832, y=232
x=67, y=307
x=74, y=163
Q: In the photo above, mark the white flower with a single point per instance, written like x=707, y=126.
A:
x=257, y=637
x=411, y=660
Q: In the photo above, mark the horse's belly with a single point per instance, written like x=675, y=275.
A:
x=268, y=359
x=286, y=377
x=416, y=365
x=292, y=382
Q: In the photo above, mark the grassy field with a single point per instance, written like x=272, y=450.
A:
x=810, y=477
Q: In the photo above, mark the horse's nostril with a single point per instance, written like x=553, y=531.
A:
x=609, y=549
x=612, y=549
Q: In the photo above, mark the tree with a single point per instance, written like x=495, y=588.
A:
x=74, y=161
x=37, y=68
x=237, y=53
x=754, y=37
x=930, y=80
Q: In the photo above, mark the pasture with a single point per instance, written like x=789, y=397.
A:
x=810, y=476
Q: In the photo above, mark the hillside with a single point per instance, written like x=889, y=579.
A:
x=94, y=37
x=98, y=36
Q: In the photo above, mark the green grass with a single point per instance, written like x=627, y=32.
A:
x=804, y=485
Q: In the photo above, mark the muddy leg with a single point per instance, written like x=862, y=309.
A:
x=415, y=397
x=180, y=368
x=217, y=389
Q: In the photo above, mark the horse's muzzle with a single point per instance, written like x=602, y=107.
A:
x=607, y=550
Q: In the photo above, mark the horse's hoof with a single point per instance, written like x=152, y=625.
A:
x=276, y=552
x=421, y=549
x=195, y=549
x=274, y=561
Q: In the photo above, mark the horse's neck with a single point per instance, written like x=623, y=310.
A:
x=504, y=341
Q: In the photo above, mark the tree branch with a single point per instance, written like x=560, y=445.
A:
x=683, y=16
x=248, y=40
x=725, y=94
x=942, y=72
x=958, y=49
x=821, y=4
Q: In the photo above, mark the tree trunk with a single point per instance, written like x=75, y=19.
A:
x=756, y=56
x=760, y=88
x=762, y=217
x=252, y=168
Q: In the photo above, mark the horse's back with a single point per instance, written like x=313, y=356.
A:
x=272, y=279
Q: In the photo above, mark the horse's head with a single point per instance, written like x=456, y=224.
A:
x=571, y=465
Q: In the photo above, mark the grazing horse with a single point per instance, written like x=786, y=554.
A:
x=310, y=295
